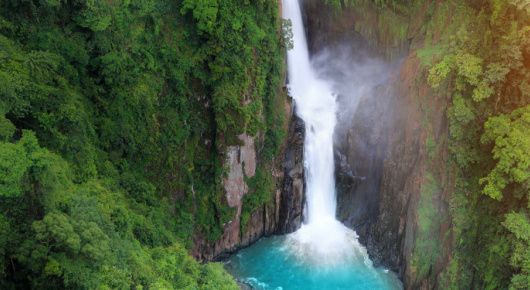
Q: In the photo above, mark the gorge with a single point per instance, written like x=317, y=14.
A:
x=225, y=144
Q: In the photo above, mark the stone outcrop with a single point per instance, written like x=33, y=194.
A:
x=241, y=164
x=292, y=195
x=282, y=216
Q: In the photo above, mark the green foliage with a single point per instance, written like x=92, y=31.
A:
x=204, y=12
x=439, y=72
x=518, y=224
x=426, y=249
x=511, y=146
x=467, y=68
x=5, y=233
x=378, y=3
x=113, y=118
x=485, y=66
x=7, y=129
x=461, y=116
x=334, y=3
x=13, y=165
x=92, y=235
x=427, y=55
x=214, y=277
x=431, y=147
x=261, y=191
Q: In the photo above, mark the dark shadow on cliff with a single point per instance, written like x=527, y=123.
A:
x=367, y=114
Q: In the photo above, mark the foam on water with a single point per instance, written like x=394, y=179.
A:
x=271, y=264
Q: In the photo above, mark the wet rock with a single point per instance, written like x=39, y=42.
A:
x=283, y=216
x=292, y=195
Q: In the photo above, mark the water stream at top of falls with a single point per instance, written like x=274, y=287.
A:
x=323, y=253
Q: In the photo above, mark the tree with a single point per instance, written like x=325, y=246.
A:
x=14, y=163
x=511, y=144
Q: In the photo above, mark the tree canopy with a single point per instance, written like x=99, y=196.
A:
x=114, y=118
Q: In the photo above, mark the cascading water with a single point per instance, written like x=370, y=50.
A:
x=322, y=235
x=323, y=253
x=316, y=105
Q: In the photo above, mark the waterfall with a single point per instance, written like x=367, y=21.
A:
x=321, y=237
x=323, y=253
x=316, y=105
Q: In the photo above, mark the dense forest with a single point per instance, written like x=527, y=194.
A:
x=114, y=116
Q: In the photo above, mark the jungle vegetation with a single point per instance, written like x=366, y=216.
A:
x=114, y=116
x=485, y=63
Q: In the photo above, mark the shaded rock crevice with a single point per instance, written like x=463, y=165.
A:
x=292, y=195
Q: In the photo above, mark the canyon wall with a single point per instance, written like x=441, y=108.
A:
x=282, y=215
x=292, y=198
x=393, y=181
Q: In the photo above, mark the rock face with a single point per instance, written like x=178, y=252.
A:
x=416, y=184
x=378, y=28
x=285, y=213
x=292, y=196
x=393, y=179
x=241, y=161
x=360, y=151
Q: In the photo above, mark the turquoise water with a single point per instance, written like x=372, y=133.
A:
x=272, y=264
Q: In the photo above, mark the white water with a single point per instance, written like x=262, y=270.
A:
x=321, y=238
x=316, y=105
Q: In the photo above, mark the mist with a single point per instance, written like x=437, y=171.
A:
x=362, y=81
x=355, y=73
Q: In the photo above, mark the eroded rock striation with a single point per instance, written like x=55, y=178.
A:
x=292, y=194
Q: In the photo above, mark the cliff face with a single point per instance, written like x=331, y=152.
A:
x=292, y=195
x=393, y=181
x=282, y=215
x=362, y=145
